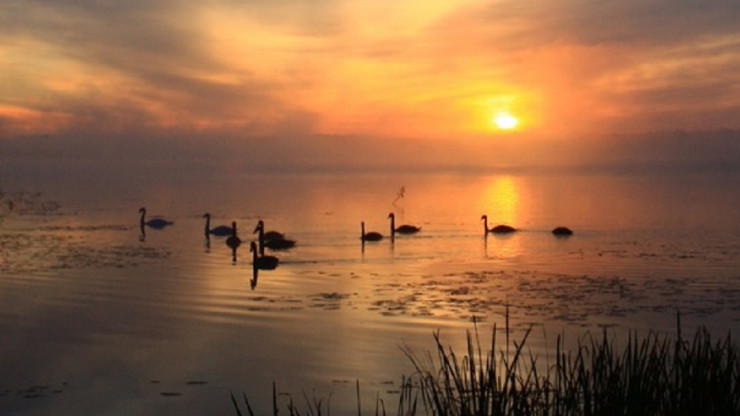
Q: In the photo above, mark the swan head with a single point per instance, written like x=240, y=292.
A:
x=252, y=246
x=484, y=217
x=207, y=215
x=142, y=210
x=260, y=226
x=391, y=215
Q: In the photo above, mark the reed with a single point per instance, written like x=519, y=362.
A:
x=652, y=375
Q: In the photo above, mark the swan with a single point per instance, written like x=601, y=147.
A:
x=562, y=231
x=371, y=236
x=220, y=231
x=268, y=235
x=402, y=229
x=275, y=243
x=262, y=262
x=156, y=223
x=233, y=241
x=499, y=229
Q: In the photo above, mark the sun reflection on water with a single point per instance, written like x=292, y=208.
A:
x=501, y=198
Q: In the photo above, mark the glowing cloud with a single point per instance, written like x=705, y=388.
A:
x=410, y=69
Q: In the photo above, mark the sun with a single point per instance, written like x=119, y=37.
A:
x=505, y=121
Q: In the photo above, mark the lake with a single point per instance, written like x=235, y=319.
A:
x=100, y=319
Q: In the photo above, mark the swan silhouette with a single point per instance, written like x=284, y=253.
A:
x=220, y=231
x=233, y=241
x=371, y=236
x=155, y=223
x=402, y=229
x=562, y=231
x=499, y=229
x=262, y=262
x=268, y=235
x=277, y=242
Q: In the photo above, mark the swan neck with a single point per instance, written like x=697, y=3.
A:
x=261, y=239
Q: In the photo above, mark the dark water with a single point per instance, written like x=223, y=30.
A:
x=99, y=319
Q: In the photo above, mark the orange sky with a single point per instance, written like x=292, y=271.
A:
x=377, y=68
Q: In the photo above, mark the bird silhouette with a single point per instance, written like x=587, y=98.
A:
x=499, y=229
x=402, y=229
x=219, y=231
x=277, y=242
x=233, y=241
x=562, y=231
x=155, y=223
x=262, y=262
x=371, y=236
x=268, y=235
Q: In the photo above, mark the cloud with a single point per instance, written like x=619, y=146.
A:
x=534, y=24
x=136, y=62
x=286, y=69
x=607, y=66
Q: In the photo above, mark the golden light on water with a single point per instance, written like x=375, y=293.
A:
x=501, y=201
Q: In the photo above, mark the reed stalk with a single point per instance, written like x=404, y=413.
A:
x=652, y=375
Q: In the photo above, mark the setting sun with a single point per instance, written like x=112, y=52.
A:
x=505, y=121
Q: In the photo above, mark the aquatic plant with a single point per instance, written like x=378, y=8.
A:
x=651, y=376
x=654, y=375
x=315, y=407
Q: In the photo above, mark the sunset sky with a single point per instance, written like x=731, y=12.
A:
x=457, y=71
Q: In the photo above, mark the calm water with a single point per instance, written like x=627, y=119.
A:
x=98, y=319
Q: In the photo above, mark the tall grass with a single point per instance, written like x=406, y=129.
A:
x=652, y=375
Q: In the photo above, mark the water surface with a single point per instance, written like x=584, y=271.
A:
x=101, y=319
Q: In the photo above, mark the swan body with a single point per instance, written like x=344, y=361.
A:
x=268, y=235
x=499, y=229
x=371, y=236
x=272, y=239
x=279, y=244
x=262, y=262
x=220, y=231
x=402, y=229
x=233, y=241
x=156, y=223
x=562, y=231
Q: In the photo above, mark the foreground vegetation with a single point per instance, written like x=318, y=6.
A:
x=653, y=375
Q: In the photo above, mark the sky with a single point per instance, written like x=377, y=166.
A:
x=379, y=80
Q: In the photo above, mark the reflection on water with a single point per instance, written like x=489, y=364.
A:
x=502, y=194
x=159, y=325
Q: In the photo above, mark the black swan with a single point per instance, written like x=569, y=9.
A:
x=262, y=262
x=271, y=243
x=268, y=235
x=402, y=229
x=499, y=229
x=371, y=236
x=562, y=231
x=156, y=223
x=233, y=241
x=220, y=231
